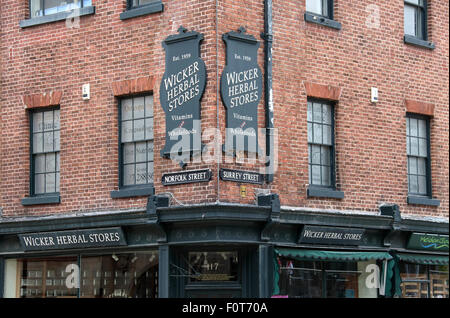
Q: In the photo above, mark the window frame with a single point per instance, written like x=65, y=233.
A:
x=325, y=20
x=428, y=157
x=43, y=8
x=332, y=146
x=414, y=39
x=134, y=190
x=144, y=9
x=45, y=197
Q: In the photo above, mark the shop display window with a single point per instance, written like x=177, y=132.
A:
x=318, y=279
x=117, y=275
x=424, y=281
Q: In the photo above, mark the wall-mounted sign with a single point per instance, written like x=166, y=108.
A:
x=183, y=177
x=73, y=239
x=241, y=89
x=430, y=242
x=241, y=176
x=181, y=89
x=331, y=235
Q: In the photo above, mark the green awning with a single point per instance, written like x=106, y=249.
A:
x=423, y=259
x=319, y=255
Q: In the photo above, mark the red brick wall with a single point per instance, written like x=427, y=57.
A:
x=370, y=138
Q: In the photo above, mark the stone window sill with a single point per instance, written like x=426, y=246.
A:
x=315, y=18
x=322, y=192
x=133, y=192
x=153, y=7
x=419, y=42
x=60, y=16
x=422, y=201
x=42, y=199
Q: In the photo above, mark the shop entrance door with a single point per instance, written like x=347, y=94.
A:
x=213, y=274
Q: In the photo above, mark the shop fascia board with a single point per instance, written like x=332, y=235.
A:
x=68, y=222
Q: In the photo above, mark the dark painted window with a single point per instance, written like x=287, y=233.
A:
x=46, y=7
x=415, y=18
x=45, y=142
x=136, y=141
x=320, y=143
x=418, y=151
x=320, y=7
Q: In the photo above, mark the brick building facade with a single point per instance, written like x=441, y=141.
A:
x=325, y=55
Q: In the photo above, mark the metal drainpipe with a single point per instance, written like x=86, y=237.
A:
x=268, y=40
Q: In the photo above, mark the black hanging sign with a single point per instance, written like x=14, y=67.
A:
x=241, y=90
x=183, y=177
x=105, y=237
x=331, y=235
x=181, y=90
x=241, y=176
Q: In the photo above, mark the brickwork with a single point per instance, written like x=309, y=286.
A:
x=118, y=58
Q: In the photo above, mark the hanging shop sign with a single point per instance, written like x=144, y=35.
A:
x=183, y=177
x=181, y=90
x=331, y=235
x=241, y=90
x=241, y=176
x=430, y=242
x=104, y=237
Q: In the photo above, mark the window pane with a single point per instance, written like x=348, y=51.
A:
x=139, y=109
x=48, y=121
x=87, y=3
x=39, y=183
x=315, y=154
x=128, y=153
x=142, y=2
x=412, y=165
x=128, y=174
x=423, y=147
x=48, y=141
x=50, y=162
x=327, y=114
x=57, y=140
x=38, y=143
x=422, y=128
x=139, y=129
x=149, y=128
x=414, y=150
x=413, y=188
x=326, y=176
x=150, y=172
x=141, y=152
x=410, y=20
x=149, y=106
x=150, y=151
x=421, y=166
x=141, y=173
x=213, y=266
x=57, y=182
x=309, y=112
x=326, y=156
x=55, y=6
x=422, y=185
x=127, y=109
x=413, y=127
x=39, y=163
x=439, y=281
x=314, y=6
x=127, y=131
x=413, y=1
x=327, y=138
x=318, y=134
x=56, y=124
x=317, y=116
x=36, y=9
x=57, y=161
x=310, y=133
x=38, y=121
x=316, y=175
x=127, y=275
x=50, y=182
